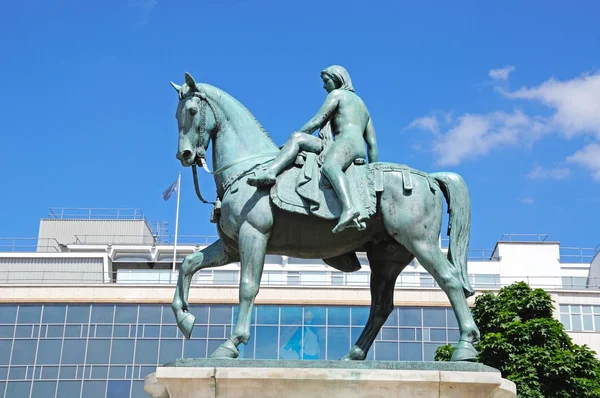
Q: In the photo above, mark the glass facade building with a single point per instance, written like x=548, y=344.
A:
x=106, y=350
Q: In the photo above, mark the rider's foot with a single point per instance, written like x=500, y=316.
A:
x=347, y=218
x=262, y=178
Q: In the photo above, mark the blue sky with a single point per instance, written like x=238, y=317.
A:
x=505, y=93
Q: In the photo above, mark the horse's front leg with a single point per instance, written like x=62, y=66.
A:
x=214, y=255
x=252, y=248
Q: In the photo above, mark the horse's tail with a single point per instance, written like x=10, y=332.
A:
x=459, y=226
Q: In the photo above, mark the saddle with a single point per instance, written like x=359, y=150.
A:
x=303, y=189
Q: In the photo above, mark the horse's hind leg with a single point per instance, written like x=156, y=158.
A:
x=433, y=260
x=386, y=262
x=214, y=255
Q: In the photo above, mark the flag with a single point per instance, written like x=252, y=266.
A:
x=169, y=191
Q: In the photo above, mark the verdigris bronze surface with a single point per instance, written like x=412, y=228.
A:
x=401, y=210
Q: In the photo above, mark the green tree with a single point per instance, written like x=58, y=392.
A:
x=521, y=338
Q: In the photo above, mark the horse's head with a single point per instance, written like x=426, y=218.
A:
x=196, y=120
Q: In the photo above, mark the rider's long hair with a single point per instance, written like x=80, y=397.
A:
x=340, y=75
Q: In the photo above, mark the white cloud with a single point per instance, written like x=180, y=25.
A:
x=527, y=201
x=501, y=73
x=576, y=103
x=474, y=135
x=427, y=123
x=588, y=157
x=539, y=172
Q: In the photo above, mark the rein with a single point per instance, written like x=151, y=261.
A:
x=204, y=100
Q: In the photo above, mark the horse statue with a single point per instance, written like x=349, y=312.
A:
x=404, y=208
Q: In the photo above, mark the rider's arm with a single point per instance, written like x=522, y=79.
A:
x=319, y=120
x=372, y=151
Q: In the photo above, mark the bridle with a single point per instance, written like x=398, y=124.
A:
x=204, y=102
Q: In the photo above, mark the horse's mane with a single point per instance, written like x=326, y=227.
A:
x=232, y=98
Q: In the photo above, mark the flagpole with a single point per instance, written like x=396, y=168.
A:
x=176, y=221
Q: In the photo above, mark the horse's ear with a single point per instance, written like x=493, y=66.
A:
x=176, y=87
x=189, y=80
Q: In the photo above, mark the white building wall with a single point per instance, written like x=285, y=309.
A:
x=535, y=263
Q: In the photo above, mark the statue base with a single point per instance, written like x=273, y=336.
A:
x=195, y=378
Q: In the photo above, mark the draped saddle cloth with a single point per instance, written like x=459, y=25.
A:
x=305, y=190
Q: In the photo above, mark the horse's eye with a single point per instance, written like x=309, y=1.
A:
x=193, y=111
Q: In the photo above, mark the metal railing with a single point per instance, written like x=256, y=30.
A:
x=75, y=213
x=294, y=279
x=16, y=245
x=523, y=237
x=578, y=254
x=82, y=239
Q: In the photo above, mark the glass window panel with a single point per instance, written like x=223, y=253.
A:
x=338, y=316
x=451, y=318
x=291, y=315
x=220, y=314
x=200, y=332
x=50, y=372
x=137, y=389
x=73, y=331
x=194, y=349
x=43, y=389
x=360, y=315
x=386, y=351
x=29, y=313
x=7, y=331
x=55, y=331
x=54, y=314
x=200, y=311
x=97, y=352
x=267, y=315
x=17, y=372
x=389, y=333
x=392, y=319
x=597, y=321
x=24, y=352
x=410, y=316
x=214, y=344
x=171, y=331
x=290, y=342
x=453, y=335
x=151, y=331
x=146, y=352
x=597, y=309
x=434, y=317
x=216, y=331
x=3, y=373
x=126, y=313
x=576, y=319
x=587, y=309
x=36, y=331
x=116, y=372
x=18, y=388
x=266, y=342
x=426, y=335
x=314, y=315
x=429, y=351
x=94, y=389
x=438, y=334
x=588, y=323
x=99, y=372
x=338, y=342
x=411, y=352
x=69, y=389
x=575, y=309
x=118, y=388
x=78, y=314
x=564, y=308
x=247, y=350
x=407, y=334
x=102, y=313
x=49, y=352
x=128, y=372
x=37, y=372
x=24, y=331
x=170, y=350
x=419, y=333
x=122, y=351
x=313, y=343
x=68, y=372
x=150, y=313
x=168, y=316
x=121, y=331
x=8, y=314
x=104, y=331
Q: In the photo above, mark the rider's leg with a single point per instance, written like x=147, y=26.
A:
x=337, y=160
x=297, y=142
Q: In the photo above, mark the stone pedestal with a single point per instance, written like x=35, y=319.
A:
x=206, y=378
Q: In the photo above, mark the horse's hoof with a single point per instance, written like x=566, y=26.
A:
x=355, y=354
x=187, y=324
x=227, y=350
x=464, y=352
